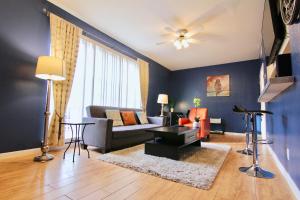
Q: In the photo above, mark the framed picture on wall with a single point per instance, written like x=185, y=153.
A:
x=218, y=86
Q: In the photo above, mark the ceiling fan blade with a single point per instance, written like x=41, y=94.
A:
x=168, y=35
x=194, y=41
x=212, y=13
x=195, y=35
x=169, y=29
x=206, y=17
x=210, y=36
x=162, y=43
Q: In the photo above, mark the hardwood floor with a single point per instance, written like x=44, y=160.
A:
x=21, y=178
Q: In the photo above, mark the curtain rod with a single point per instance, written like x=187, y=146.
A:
x=98, y=39
x=46, y=12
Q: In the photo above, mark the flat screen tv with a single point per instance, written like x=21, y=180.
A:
x=273, y=31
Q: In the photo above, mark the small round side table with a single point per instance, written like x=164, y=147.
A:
x=76, y=140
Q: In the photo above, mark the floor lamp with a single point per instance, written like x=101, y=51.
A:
x=51, y=69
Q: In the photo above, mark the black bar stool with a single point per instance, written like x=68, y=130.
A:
x=247, y=150
x=254, y=170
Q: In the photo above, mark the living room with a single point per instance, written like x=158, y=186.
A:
x=149, y=100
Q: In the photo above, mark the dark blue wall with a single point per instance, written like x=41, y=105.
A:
x=158, y=74
x=284, y=125
x=244, y=86
x=24, y=35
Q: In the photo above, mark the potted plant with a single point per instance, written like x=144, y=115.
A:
x=172, y=105
x=197, y=103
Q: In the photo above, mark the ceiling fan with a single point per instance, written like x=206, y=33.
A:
x=183, y=37
x=182, y=40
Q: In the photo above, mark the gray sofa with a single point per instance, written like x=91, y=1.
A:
x=108, y=138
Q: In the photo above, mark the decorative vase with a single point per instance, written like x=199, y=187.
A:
x=195, y=124
x=172, y=109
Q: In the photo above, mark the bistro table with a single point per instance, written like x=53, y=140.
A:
x=76, y=139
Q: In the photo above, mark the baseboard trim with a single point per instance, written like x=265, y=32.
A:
x=17, y=153
x=233, y=133
x=285, y=174
x=240, y=134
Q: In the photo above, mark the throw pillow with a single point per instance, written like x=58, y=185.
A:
x=115, y=116
x=142, y=117
x=128, y=118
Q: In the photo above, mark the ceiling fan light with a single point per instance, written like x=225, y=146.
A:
x=178, y=47
x=177, y=44
x=185, y=43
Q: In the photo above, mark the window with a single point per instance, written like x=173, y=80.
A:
x=102, y=77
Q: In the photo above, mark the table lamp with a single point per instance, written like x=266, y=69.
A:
x=163, y=99
x=51, y=69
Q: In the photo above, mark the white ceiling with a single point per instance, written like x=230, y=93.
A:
x=230, y=29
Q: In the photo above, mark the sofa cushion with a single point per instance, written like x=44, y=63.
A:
x=142, y=117
x=128, y=118
x=131, y=131
x=115, y=116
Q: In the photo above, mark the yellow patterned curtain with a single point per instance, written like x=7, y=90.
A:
x=64, y=45
x=144, y=81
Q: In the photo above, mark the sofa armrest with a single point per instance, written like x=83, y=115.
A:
x=182, y=121
x=157, y=120
x=100, y=134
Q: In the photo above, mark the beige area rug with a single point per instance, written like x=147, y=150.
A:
x=198, y=167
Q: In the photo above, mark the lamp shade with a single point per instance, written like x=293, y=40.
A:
x=162, y=98
x=50, y=68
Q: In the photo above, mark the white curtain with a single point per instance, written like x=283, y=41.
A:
x=103, y=77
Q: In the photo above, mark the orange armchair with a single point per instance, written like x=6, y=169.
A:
x=202, y=113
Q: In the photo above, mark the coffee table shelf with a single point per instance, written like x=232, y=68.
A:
x=170, y=142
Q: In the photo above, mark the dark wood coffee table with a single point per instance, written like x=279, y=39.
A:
x=169, y=142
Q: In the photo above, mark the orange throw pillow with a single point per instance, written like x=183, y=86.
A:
x=128, y=118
